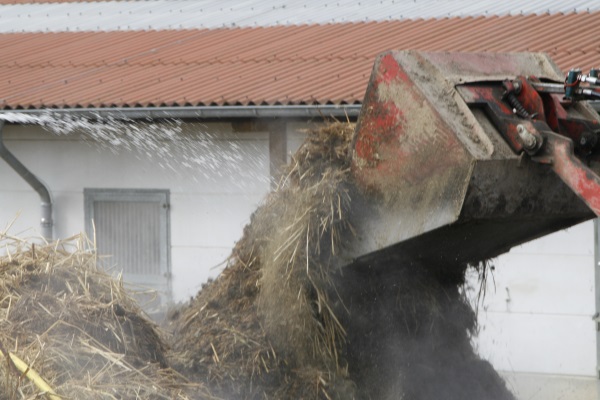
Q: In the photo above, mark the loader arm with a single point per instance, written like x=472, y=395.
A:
x=539, y=123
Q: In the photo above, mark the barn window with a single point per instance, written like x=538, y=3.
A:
x=131, y=227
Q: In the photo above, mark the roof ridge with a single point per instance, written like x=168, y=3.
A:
x=94, y=16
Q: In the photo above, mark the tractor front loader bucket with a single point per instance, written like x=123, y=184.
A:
x=459, y=157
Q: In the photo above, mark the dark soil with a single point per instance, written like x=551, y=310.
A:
x=409, y=335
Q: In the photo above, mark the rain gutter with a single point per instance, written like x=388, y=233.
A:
x=46, y=210
x=197, y=112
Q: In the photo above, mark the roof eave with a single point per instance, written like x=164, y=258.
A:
x=198, y=112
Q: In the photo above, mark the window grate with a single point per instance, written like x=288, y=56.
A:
x=131, y=227
x=129, y=232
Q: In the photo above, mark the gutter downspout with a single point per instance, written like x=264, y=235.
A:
x=46, y=220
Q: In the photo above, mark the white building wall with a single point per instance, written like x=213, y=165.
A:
x=210, y=204
x=536, y=319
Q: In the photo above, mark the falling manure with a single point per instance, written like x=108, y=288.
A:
x=288, y=318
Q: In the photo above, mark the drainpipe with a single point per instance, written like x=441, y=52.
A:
x=46, y=220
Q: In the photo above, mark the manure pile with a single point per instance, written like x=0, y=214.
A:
x=77, y=329
x=284, y=320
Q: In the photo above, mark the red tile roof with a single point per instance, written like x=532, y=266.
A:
x=310, y=64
